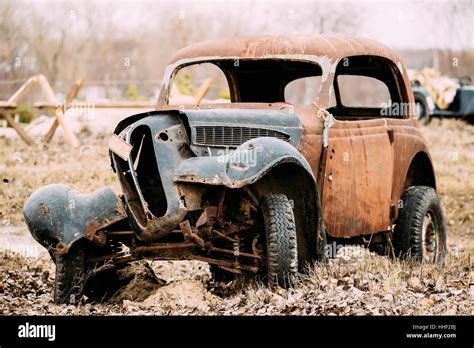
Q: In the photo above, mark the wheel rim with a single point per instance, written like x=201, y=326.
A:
x=430, y=237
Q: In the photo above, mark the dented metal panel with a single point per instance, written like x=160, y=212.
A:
x=244, y=166
x=167, y=142
x=57, y=215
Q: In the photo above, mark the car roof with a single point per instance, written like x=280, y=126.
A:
x=335, y=47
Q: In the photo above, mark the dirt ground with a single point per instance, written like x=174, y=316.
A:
x=363, y=284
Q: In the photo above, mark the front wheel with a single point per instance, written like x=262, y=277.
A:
x=280, y=228
x=420, y=230
x=76, y=277
x=70, y=275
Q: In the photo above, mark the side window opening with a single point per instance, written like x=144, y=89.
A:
x=362, y=91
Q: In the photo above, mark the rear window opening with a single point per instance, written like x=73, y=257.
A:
x=362, y=91
x=368, y=87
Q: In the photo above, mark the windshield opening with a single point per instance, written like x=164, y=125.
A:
x=244, y=81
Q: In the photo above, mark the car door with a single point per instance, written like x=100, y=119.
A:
x=358, y=178
x=358, y=171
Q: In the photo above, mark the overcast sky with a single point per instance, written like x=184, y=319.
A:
x=399, y=24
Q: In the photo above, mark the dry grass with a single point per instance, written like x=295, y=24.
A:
x=451, y=144
x=373, y=285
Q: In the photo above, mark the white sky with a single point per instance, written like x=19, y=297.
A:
x=398, y=24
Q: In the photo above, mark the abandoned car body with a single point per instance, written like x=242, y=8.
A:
x=256, y=185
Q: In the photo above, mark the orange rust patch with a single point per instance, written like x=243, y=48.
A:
x=43, y=208
x=91, y=229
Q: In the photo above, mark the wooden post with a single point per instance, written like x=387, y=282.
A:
x=23, y=89
x=48, y=91
x=49, y=94
x=16, y=127
x=12, y=101
x=59, y=115
x=7, y=105
x=201, y=93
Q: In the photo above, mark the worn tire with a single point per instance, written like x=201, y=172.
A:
x=420, y=230
x=75, y=279
x=424, y=118
x=282, y=251
x=70, y=272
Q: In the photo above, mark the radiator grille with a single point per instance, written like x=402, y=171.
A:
x=233, y=136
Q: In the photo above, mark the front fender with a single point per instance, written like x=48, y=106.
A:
x=245, y=165
x=57, y=216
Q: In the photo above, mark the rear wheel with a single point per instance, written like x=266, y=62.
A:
x=280, y=228
x=420, y=231
x=422, y=110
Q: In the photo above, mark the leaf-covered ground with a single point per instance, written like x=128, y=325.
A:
x=364, y=284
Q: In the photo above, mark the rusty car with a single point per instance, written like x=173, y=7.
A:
x=258, y=184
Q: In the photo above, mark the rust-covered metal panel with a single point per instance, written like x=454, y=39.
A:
x=312, y=135
x=366, y=173
x=358, y=178
x=408, y=142
x=332, y=46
